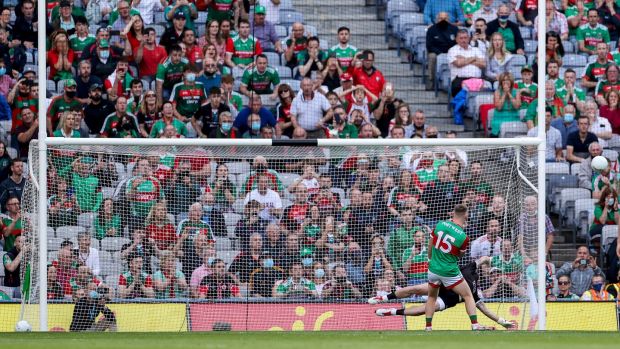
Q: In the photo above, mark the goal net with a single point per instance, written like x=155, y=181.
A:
x=187, y=238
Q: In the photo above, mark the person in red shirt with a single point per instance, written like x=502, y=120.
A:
x=364, y=73
x=193, y=52
x=148, y=55
x=119, y=83
x=133, y=35
x=159, y=228
x=60, y=57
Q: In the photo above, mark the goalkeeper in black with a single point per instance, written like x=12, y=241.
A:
x=88, y=308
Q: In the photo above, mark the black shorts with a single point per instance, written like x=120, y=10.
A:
x=449, y=298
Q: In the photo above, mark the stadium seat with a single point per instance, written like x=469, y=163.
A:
x=273, y=58
x=574, y=168
x=557, y=167
x=515, y=71
x=569, y=47
x=51, y=256
x=69, y=231
x=610, y=232
x=555, y=183
x=86, y=220
x=294, y=84
x=442, y=64
x=288, y=179
x=571, y=60
x=237, y=72
x=610, y=154
x=10, y=150
x=286, y=4
x=518, y=61
x=238, y=167
x=281, y=31
x=287, y=18
x=53, y=244
x=512, y=129
x=113, y=244
x=112, y=281
x=591, y=59
x=223, y=244
x=283, y=71
x=202, y=19
x=227, y=256
x=238, y=206
x=568, y=196
x=159, y=18
x=526, y=32
x=159, y=29
x=394, y=9
x=51, y=86
x=583, y=217
x=231, y=219
x=530, y=46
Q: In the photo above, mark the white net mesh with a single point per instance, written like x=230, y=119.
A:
x=258, y=238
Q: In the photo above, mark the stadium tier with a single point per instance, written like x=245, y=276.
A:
x=221, y=238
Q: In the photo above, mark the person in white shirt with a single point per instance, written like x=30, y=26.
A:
x=310, y=110
x=553, y=152
x=268, y=198
x=273, y=10
x=147, y=8
x=87, y=255
x=487, y=12
x=465, y=61
x=489, y=244
x=599, y=126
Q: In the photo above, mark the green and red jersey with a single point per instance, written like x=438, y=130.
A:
x=144, y=195
x=343, y=55
x=448, y=240
x=595, y=71
x=171, y=73
x=592, y=36
x=187, y=98
x=261, y=82
x=244, y=50
x=9, y=240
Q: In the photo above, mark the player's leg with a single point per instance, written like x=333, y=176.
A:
x=431, y=304
x=462, y=289
x=411, y=311
x=405, y=292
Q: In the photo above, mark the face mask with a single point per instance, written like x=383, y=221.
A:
x=568, y=118
x=442, y=23
x=210, y=261
x=268, y=263
x=487, y=8
x=104, y=54
x=319, y=273
x=2, y=71
x=96, y=98
x=207, y=208
x=306, y=262
x=255, y=126
x=191, y=77
x=611, y=202
x=226, y=126
x=70, y=94
x=597, y=287
x=503, y=19
x=431, y=136
x=93, y=294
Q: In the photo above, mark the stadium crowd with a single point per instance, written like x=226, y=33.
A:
x=159, y=226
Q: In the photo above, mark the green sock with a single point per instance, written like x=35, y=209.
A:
x=429, y=321
x=473, y=319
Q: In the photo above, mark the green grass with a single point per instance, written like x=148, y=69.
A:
x=313, y=340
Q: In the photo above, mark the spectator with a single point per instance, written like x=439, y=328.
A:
x=213, y=215
x=500, y=286
x=159, y=229
x=225, y=127
x=496, y=210
x=597, y=290
x=570, y=93
x=60, y=104
x=241, y=53
x=577, y=142
x=553, y=152
x=263, y=279
x=268, y=198
x=265, y=31
x=507, y=102
x=599, y=126
x=103, y=62
x=84, y=81
x=439, y=39
x=66, y=126
x=509, y=262
x=14, y=185
x=260, y=79
x=107, y=222
x=256, y=107
x=121, y=123
x=249, y=259
x=589, y=35
x=556, y=105
x=595, y=71
x=498, y=58
x=581, y=270
x=567, y=124
x=366, y=74
x=479, y=38
x=585, y=167
x=605, y=211
x=147, y=8
x=308, y=108
x=11, y=261
x=313, y=59
x=193, y=52
x=173, y=35
x=169, y=282
x=614, y=289
x=27, y=131
x=609, y=83
x=187, y=96
x=564, y=293
x=527, y=229
x=489, y=244
x=210, y=76
x=170, y=72
x=221, y=10
x=611, y=110
x=576, y=15
x=343, y=51
x=378, y=261
x=607, y=11
x=54, y=290
x=283, y=109
x=528, y=88
x=469, y=7
x=65, y=265
x=442, y=193
x=402, y=238
x=556, y=21
x=25, y=27
x=415, y=259
x=451, y=7
x=465, y=62
x=60, y=57
x=553, y=73
x=330, y=76
x=213, y=36
x=148, y=55
x=296, y=286
x=97, y=109
x=486, y=12
x=339, y=287
x=205, y=269
x=87, y=255
x=135, y=283
x=509, y=30
x=340, y=128
x=219, y=284
x=527, y=12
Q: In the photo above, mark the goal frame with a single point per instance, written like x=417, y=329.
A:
x=44, y=141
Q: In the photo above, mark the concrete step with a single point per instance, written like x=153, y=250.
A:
x=357, y=26
x=397, y=69
x=332, y=14
x=344, y=3
x=310, y=10
x=422, y=96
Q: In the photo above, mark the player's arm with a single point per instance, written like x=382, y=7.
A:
x=491, y=315
x=430, y=247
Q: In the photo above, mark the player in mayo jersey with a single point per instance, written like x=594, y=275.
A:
x=446, y=298
x=447, y=244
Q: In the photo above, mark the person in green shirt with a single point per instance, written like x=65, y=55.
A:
x=120, y=124
x=590, y=34
x=343, y=51
x=260, y=79
x=312, y=58
x=232, y=98
x=340, y=127
x=402, y=238
x=59, y=104
x=528, y=88
x=66, y=126
x=188, y=8
x=245, y=47
x=142, y=191
x=296, y=286
x=107, y=222
x=509, y=262
x=187, y=95
x=167, y=119
x=469, y=7
x=75, y=11
x=86, y=186
x=11, y=223
x=169, y=73
x=415, y=259
x=570, y=93
x=82, y=39
x=169, y=282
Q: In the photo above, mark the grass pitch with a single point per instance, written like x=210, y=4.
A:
x=313, y=340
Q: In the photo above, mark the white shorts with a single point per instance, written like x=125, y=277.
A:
x=441, y=305
x=448, y=282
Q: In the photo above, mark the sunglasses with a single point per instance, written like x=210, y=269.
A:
x=563, y=283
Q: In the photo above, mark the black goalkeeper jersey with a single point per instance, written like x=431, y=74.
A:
x=470, y=274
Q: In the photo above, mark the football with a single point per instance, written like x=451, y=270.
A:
x=599, y=163
x=23, y=326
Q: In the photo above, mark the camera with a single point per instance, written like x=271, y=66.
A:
x=478, y=31
x=338, y=118
x=583, y=262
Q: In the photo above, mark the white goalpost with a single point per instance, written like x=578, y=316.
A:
x=39, y=309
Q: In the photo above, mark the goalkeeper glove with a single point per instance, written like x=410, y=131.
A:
x=505, y=323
